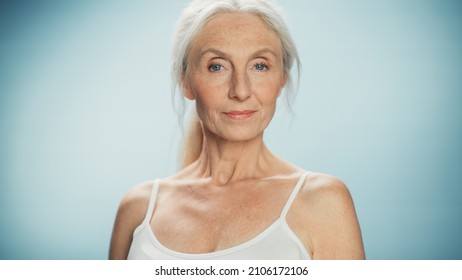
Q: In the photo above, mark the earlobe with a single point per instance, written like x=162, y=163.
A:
x=187, y=91
x=283, y=85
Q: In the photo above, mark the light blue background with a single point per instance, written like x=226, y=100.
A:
x=85, y=114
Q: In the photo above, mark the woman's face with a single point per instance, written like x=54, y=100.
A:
x=235, y=73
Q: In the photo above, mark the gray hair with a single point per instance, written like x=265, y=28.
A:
x=196, y=15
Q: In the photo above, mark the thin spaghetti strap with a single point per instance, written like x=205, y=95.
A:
x=294, y=194
x=152, y=201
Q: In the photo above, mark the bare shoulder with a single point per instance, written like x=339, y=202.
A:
x=329, y=218
x=136, y=200
x=322, y=189
x=131, y=212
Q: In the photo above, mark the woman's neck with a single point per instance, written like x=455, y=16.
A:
x=225, y=161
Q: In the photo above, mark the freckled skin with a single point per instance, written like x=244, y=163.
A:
x=247, y=78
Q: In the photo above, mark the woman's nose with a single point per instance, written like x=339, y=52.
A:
x=240, y=86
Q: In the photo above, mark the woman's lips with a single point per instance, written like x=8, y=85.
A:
x=240, y=115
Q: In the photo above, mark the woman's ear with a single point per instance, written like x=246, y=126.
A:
x=284, y=81
x=188, y=93
x=187, y=90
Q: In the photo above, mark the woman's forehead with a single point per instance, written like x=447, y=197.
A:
x=236, y=30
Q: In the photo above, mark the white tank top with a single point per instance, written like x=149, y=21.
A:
x=276, y=242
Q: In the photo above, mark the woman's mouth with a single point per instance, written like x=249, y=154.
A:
x=240, y=115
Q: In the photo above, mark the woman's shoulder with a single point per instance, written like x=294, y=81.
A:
x=134, y=203
x=323, y=197
x=138, y=194
x=131, y=212
x=323, y=188
x=326, y=211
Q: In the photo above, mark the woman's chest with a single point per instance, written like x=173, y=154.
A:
x=208, y=224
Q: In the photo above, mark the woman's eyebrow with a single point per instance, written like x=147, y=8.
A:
x=265, y=50
x=213, y=51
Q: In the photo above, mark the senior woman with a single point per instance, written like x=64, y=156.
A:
x=234, y=199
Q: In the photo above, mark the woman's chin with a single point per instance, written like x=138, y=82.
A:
x=241, y=136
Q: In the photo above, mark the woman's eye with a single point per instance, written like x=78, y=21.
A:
x=215, y=67
x=260, y=66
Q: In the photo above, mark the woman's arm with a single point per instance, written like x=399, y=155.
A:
x=332, y=226
x=131, y=212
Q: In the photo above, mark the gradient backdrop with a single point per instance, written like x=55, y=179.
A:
x=85, y=114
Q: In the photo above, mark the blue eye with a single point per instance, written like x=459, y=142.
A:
x=260, y=66
x=215, y=67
